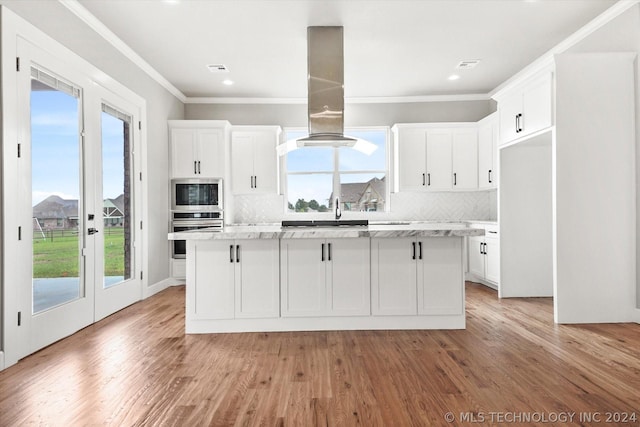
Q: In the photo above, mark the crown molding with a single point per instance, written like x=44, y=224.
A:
x=348, y=100
x=96, y=25
x=546, y=61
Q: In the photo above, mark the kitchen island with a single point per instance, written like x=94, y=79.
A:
x=273, y=278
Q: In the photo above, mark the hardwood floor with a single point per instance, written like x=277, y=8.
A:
x=137, y=367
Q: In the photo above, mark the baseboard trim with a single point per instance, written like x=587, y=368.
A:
x=473, y=278
x=160, y=286
x=1, y=360
x=636, y=315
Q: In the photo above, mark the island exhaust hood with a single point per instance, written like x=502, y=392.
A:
x=325, y=88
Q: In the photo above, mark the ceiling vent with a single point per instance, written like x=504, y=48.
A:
x=218, y=68
x=468, y=64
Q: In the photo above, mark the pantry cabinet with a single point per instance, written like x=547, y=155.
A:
x=197, y=148
x=328, y=277
x=254, y=161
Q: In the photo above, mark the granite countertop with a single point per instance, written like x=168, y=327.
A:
x=391, y=229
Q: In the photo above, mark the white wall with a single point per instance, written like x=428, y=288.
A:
x=595, y=186
x=525, y=215
x=59, y=23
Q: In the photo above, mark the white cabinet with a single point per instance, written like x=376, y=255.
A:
x=437, y=157
x=484, y=255
x=417, y=276
x=235, y=278
x=488, y=152
x=527, y=108
x=325, y=277
x=465, y=159
x=254, y=161
x=197, y=148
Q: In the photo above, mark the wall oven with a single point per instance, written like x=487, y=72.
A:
x=185, y=221
x=196, y=194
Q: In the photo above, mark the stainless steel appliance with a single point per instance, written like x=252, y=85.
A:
x=196, y=194
x=185, y=221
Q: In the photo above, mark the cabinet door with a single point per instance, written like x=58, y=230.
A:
x=213, y=279
x=303, y=281
x=439, y=173
x=210, y=153
x=536, y=105
x=265, y=162
x=508, y=108
x=183, y=155
x=465, y=159
x=242, y=162
x=393, y=276
x=411, y=146
x=492, y=260
x=487, y=151
x=349, y=277
x=440, y=276
x=476, y=256
x=257, y=278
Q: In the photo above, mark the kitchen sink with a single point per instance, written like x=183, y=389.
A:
x=326, y=223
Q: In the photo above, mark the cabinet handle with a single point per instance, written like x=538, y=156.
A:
x=230, y=253
x=329, y=251
x=493, y=232
x=199, y=172
x=255, y=181
x=237, y=253
x=424, y=179
x=322, y=253
x=481, y=253
x=414, y=250
x=428, y=179
x=517, y=125
x=195, y=167
x=485, y=248
x=455, y=178
x=489, y=176
x=420, y=250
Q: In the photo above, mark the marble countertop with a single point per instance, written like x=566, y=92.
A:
x=391, y=229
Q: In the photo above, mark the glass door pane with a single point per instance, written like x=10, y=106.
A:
x=117, y=197
x=56, y=189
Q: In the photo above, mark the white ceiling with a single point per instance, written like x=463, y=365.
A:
x=393, y=48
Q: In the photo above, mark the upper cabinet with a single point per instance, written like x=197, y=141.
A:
x=488, y=152
x=437, y=158
x=526, y=108
x=254, y=161
x=197, y=148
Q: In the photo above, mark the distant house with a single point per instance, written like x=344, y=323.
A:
x=56, y=213
x=362, y=196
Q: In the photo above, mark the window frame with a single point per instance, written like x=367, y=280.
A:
x=335, y=173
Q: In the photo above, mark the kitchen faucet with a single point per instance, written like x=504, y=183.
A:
x=338, y=212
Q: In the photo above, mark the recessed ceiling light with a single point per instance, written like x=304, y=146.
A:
x=453, y=77
x=227, y=82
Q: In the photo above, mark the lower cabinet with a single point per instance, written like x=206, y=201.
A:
x=325, y=277
x=417, y=276
x=484, y=256
x=235, y=279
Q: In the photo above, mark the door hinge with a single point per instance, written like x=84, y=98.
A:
x=19, y=318
x=19, y=232
x=19, y=150
x=17, y=63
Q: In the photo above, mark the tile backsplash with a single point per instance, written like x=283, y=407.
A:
x=405, y=206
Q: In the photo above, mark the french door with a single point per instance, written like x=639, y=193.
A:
x=78, y=193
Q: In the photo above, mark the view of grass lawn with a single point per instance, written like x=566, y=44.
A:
x=56, y=255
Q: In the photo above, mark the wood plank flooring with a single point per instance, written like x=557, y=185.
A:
x=137, y=368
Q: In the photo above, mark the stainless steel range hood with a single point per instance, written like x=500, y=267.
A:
x=325, y=88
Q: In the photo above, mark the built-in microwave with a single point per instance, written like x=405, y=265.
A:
x=196, y=194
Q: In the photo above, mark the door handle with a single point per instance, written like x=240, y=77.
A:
x=92, y=231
